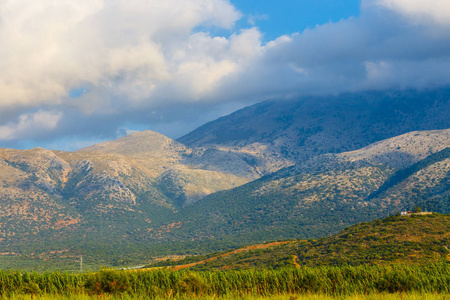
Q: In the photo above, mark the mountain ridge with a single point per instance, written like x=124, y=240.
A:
x=284, y=133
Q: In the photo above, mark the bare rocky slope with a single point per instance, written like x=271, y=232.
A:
x=142, y=176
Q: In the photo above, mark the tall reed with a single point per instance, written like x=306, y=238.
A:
x=161, y=283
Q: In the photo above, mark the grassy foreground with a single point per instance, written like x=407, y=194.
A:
x=395, y=296
x=362, y=282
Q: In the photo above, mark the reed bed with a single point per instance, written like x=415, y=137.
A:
x=294, y=283
x=395, y=296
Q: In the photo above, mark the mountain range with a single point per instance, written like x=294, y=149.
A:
x=280, y=169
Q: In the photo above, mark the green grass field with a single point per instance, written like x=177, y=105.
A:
x=399, y=281
x=384, y=296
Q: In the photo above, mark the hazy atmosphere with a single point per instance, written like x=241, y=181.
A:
x=74, y=73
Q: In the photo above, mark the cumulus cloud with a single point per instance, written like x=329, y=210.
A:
x=381, y=49
x=30, y=125
x=117, y=46
x=93, y=66
x=418, y=10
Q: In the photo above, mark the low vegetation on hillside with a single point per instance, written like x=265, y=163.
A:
x=412, y=239
x=416, y=238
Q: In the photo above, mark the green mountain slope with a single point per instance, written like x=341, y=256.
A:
x=412, y=239
x=327, y=193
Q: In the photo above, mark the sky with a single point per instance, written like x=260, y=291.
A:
x=78, y=72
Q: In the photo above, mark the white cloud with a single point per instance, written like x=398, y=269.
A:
x=198, y=66
x=118, y=46
x=419, y=10
x=133, y=58
x=29, y=124
x=253, y=19
x=378, y=50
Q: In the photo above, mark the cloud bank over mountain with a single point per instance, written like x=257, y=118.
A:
x=80, y=70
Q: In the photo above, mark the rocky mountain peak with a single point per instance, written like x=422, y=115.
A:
x=147, y=143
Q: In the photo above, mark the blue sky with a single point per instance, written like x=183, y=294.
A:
x=279, y=17
x=80, y=72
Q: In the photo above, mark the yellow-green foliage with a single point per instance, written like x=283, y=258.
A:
x=376, y=296
x=412, y=239
x=159, y=284
x=409, y=239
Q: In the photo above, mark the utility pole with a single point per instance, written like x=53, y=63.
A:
x=81, y=263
